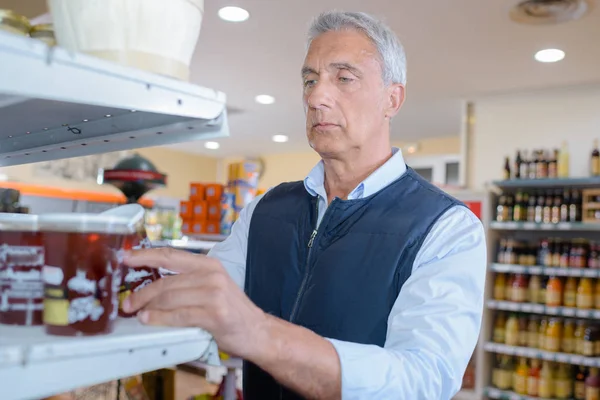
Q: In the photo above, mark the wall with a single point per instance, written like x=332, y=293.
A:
x=294, y=166
x=533, y=120
x=180, y=168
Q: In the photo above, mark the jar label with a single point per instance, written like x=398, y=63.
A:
x=520, y=384
x=579, y=390
x=552, y=343
x=592, y=393
x=588, y=348
x=546, y=388
x=56, y=307
x=512, y=338
x=553, y=298
x=499, y=335
x=585, y=300
x=519, y=294
x=570, y=299
x=567, y=345
x=564, y=390
x=532, y=386
x=504, y=379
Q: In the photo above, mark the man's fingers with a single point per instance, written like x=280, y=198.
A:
x=142, y=297
x=178, y=298
x=172, y=259
x=187, y=316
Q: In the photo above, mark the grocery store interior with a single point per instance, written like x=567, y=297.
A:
x=98, y=109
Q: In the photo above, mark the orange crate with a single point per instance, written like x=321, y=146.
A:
x=200, y=211
x=213, y=192
x=197, y=191
x=186, y=209
x=212, y=227
x=214, y=211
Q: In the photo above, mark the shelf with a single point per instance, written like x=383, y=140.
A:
x=185, y=244
x=494, y=393
x=55, y=104
x=549, y=183
x=539, y=270
x=532, y=226
x=39, y=365
x=466, y=394
x=542, y=355
x=542, y=309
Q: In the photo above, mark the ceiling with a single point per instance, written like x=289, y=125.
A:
x=456, y=50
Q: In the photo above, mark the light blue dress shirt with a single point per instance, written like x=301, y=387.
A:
x=435, y=322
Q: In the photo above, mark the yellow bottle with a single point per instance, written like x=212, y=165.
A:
x=512, y=330
x=585, y=294
x=521, y=374
x=533, y=382
x=578, y=337
x=564, y=382
x=500, y=328
x=546, y=388
x=570, y=299
x=542, y=333
x=563, y=161
x=500, y=287
x=553, y=334
x=568, y=339
x=597, y=294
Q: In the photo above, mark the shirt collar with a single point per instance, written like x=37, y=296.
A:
x=393, y=169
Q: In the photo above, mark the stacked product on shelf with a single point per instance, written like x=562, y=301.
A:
x=201, y=213
x=545, y=306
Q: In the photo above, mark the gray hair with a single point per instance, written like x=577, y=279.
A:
x=391, y=52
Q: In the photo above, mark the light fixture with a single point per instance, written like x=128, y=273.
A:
x=85, y=120
x=280, y=138
x=107, y=115
x=212, y=145
x=233, y=14
x=264, y=99
x=410, y=148
x=549, y=55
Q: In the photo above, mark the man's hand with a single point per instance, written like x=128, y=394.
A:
x=202, y=295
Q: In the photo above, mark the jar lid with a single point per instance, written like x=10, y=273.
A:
x=49, y=28
x=86, y=223
x=13, y=18
x=18, y=222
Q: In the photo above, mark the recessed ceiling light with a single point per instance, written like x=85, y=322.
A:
x=280, y=138
x=233, y=14
x=212, y=145
x=549, y=55
x=264, y=99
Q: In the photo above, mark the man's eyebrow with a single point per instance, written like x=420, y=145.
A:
x=307, y=71
x=349, y=67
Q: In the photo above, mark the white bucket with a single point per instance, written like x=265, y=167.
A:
x=155, y=35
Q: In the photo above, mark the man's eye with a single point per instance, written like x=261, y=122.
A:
x=309, y=82
x=345, y=79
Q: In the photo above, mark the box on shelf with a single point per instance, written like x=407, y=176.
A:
x=197, y=191
x=213, y=192
x=200, y=211
x=185, y=209
x=212, y=227
x=591, y=205
x=214, y=211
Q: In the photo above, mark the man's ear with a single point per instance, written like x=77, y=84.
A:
x=396, y=95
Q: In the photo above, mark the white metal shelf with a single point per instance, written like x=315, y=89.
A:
x=494, y=393
x=532, y=226
x=55, y=104
x=548, y=183
x=38, y=365
x=542, y=354
x=539, y=270
x=542, y=309
x=185, y=244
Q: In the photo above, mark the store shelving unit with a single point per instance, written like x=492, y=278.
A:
x=533, y=231
x=55, y=104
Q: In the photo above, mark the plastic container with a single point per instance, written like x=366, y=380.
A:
x=43, y=32
x=21, y=264
x=82, y=274
x=155, y=35
x=14, y=23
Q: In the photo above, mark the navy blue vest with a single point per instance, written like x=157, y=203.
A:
x=342, y=279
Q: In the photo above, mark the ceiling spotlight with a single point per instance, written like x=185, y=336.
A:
x=549, y=55
x=212, y=145
x=107, y=115
x=233, y=14
x=280, y=138
x=264, y=99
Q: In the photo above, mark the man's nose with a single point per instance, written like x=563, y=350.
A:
x=320, y=95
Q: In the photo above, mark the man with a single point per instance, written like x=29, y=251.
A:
x=363, y=281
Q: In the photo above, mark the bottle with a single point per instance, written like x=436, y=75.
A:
x=557, y=202
x=512, y=330
x=564, y=382
x=501, y=210
x=535, y=285
x=554, y=292
x=567, y=342
x=523, y=333
x=510, y=202
x=547, y=210
x=546, y=388
x=505, y=375
x=570, y=297
x=585, y=295
x=501, y=257
x=508, y=295
x=595, y=161
x=524, y=167
x=542, y=333
x=531, y=208
x=539, y=208
x=597, y=294
x=593, y=255
x=555, y=250
x=542, y=165
x=533, y=382
x=521, y=375
x=580, y=383
x=578, y=336
x=517, y=169
x=499, y=286
x=543, y=290
x=506, y=175
x=565, y=255
x=553, y=165
x=496, y=371
x=499, y=335
x=533, y=331
x=553, y=334
x=518, y=208
x=589, y=341
x=564, y=207
x=532, y=165
x=592, y=385
x=520, y=286
x=563, y=161
x=575, y=207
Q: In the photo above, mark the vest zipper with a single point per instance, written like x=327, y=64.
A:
x=311, y=241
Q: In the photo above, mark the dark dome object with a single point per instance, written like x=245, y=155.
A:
x=134, y=176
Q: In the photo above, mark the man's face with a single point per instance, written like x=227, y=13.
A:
x=344, y=95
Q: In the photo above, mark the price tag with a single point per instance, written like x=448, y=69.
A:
x=538, y=308
x=501, y=267
x=514, y=396
x=546, y=227
x=535, y=270
x=559, y=271
x=552, y=310
x=563, y=358
x=584, y=313
x=521, y=351
x=527, y=307
x=568, y=311
x=590, y=273
x=514, y=306
x=495, y=393
x=577, y=360
x=563, y=226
